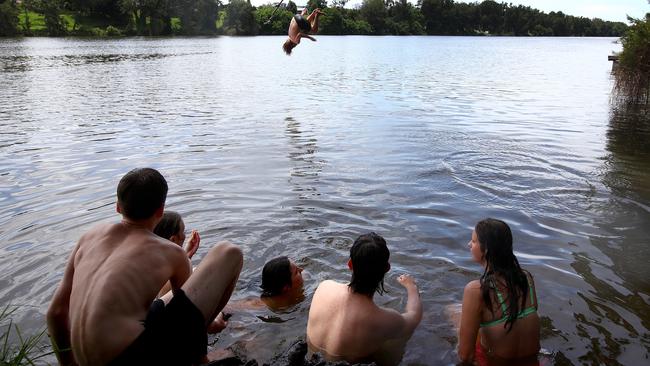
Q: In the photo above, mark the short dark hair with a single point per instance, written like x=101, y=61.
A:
x=141, y=192
x=275, y=275
x=169, y=225
x=369, y=255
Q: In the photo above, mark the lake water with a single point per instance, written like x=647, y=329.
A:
x=416, y=138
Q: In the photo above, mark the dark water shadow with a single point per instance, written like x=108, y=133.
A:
x=22, y=63
x=612, y=315
x=628, y=143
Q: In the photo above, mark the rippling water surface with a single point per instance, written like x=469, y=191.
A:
x=416, y=138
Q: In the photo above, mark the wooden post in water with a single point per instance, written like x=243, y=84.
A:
x=614, y=58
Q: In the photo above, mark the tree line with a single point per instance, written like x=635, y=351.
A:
x=239, y=17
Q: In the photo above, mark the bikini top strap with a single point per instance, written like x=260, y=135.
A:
x=502, y=302
x=529, y=278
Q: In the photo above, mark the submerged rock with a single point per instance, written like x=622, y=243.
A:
x=295, y=355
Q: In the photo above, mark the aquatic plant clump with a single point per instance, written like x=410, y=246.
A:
x=632, y=74
x=16, y=348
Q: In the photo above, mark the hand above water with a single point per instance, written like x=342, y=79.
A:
x=407, y=281
x=193, y=244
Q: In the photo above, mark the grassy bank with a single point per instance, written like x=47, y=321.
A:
x=17, y=348
x=632, y=76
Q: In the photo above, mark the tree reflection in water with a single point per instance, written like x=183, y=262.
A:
x=615, y=313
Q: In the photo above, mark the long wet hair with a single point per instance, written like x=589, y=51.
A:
x=288, y=46
x=495, y=240
x=275, y=275
x=369, y=255
x=169, y=225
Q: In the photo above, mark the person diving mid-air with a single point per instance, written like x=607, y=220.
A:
x=302, y=25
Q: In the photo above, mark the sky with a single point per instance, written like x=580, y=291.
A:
x=614, y=10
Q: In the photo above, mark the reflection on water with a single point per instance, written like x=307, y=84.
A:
x=628, y=141
x=298, y=156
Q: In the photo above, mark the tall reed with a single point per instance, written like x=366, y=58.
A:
x=16, y=348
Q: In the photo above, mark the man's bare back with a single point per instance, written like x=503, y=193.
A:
x=344, y=322
x=103, y=311
x=110, y=298
x=347, y=326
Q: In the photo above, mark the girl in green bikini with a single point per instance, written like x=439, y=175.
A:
x=499, y=321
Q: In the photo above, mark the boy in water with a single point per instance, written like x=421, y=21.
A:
x=104, y=312
x=344, y=322
x=301, y=27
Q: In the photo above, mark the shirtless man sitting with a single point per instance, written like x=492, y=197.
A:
x=103, y=311
x=345, y=324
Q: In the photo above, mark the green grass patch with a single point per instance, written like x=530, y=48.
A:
x=176, y=25
x=16, y=348
x=36, y=21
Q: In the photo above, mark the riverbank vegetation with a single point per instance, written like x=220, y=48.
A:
x=632, y=73
x=239, y=17
x=16, y=348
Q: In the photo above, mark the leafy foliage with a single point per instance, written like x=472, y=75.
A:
x=26, y=350
x=239, y=17
x=8, y=18
x=632, y=76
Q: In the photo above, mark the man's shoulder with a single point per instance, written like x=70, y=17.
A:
x=97, y=230
x=331, y=285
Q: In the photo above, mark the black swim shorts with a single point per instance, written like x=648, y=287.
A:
x=173, y=335
x=303, y=24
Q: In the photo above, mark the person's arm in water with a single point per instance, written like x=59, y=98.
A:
x=401, y=326
x=413, y=314
x=58, y=316
x=470, y=320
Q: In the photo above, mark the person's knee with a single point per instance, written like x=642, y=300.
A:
x=228, y=252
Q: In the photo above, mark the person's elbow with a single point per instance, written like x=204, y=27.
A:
x=57, y=312
x=466, y=358
x=466, y=355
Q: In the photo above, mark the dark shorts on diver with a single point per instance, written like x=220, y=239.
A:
x=303, y=23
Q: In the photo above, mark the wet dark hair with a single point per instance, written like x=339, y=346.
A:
x=169, y=225
x=275, y=275
x=288, y=46
x=495, y=240
x=141, y=192
x=369, y=255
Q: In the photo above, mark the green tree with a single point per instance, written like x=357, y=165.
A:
x=292, y=7
x=270, y=22
x=51, y=10
x=437, y=15
x=404, y=19
x=491, y=16
x=198, y=16
x=313, y=4
x=332, y=21
x=110, y=10
x=8, y=18
x=240, y=19
x=632, y=75
x=374, y=12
